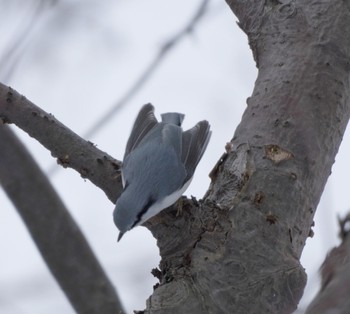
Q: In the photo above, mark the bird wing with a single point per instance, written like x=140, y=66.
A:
x=144, y=122
x=194, y=144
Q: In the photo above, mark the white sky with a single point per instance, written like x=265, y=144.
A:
x=79, y=59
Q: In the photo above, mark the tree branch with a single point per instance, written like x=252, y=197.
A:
x=71, y=150
x=15, y=49
x=334, y=294
x=151, y=68
x=238, y=251
x=58, y=238
x=251, y=14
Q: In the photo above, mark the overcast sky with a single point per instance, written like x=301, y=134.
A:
x=76, y=59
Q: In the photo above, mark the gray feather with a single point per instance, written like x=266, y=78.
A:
x=144, y=122
x=159, y=161
x=194, y=144
x=173, y=118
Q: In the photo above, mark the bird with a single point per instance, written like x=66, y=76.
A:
x=158, y=165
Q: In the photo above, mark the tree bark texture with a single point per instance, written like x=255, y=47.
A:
x=58, y=238
x=70, y=149
x=333, y=296
x=237, y=250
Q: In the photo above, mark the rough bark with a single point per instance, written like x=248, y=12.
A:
x=70, y=149
x=58, y=238
x=333, y=296
x=239, y=250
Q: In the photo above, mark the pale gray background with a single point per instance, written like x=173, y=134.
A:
x=79, y=58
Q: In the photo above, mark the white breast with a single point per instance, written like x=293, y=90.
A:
x=163, y=203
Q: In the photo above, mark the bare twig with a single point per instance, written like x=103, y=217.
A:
x=11, y=56
x=150, y=69
x=58, y=238
x=70, y=149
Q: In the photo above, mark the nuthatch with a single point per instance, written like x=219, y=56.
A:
x=158, y=165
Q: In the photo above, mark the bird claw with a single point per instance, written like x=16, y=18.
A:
x=179, y=206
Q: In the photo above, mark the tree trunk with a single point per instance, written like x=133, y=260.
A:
x=239, y=250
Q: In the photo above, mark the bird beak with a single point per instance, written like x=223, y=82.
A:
x=120, y=235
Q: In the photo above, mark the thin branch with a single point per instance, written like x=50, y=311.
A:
x=10, y=58
x=58, y=238
x=71, y=150
x=333, y=296
x=150, y=69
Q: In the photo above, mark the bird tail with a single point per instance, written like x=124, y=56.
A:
x=173, y=118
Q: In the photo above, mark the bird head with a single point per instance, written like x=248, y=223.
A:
x=129, y=211
x=125, y=214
